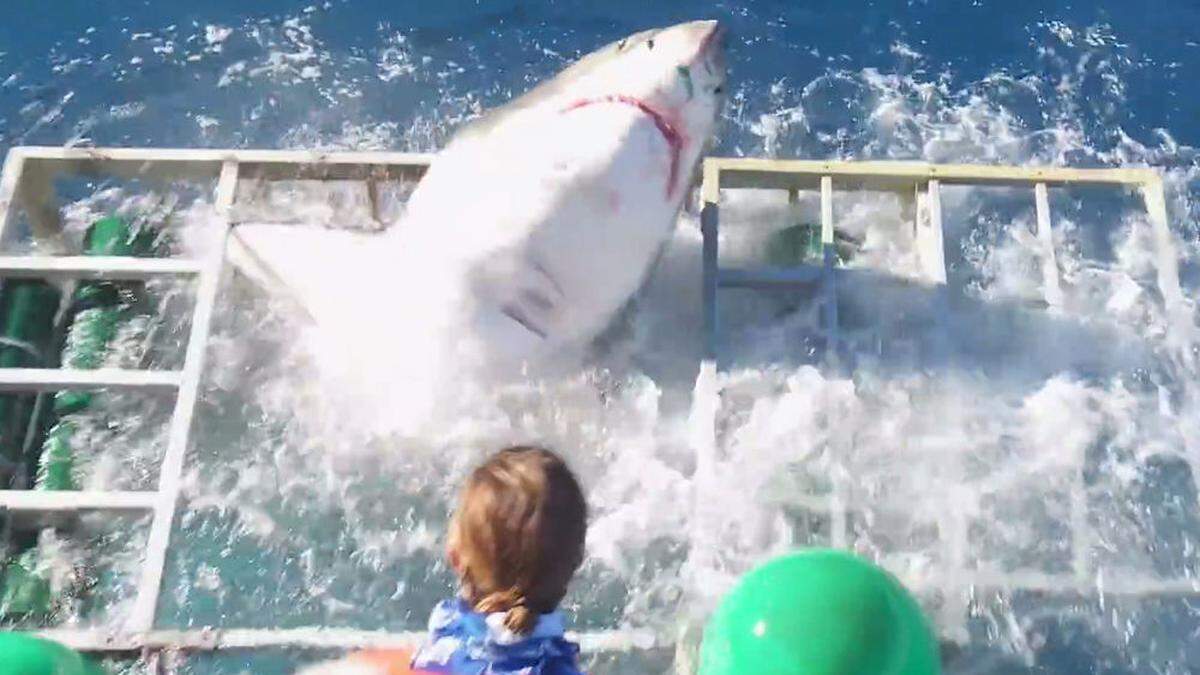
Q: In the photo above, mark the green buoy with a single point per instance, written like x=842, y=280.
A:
x=22, y=654
x=820, y=612
x=801, y=244
x=26, y=592
x=98, y=308
x=27, y=311
x=794, y=245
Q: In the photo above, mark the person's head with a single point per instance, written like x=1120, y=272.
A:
x=517, y=536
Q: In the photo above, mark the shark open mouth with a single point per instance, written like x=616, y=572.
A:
x=668, y=131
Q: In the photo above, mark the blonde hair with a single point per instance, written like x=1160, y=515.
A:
x=518, y=535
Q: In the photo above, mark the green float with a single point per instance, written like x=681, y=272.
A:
x=22, y=654
x=794, y=245
x=94, y=317
x=820, y=612
x=97, y=310
x=27, y=311
x=27, y=314
x=801, y=244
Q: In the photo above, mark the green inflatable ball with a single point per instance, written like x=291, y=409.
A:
x=819, y=612
x=22, y=654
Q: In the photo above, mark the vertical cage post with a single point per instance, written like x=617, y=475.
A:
x=1051, y=285
x=10, y=182
x=146, y=604
x=1155, y=200
x=710, y=195
x=829, y=293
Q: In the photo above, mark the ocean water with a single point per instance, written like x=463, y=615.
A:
x=964, y=447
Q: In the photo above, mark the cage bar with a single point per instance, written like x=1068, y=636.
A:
x=146, y=604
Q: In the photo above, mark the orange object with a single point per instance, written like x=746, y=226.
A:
x=370, y=662
x=388, y=661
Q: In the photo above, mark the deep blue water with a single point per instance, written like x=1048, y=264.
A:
x=84, y=48
x=1101, y=83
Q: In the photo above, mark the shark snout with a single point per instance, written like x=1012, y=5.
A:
x=714, y=38
x=711, y=53
x=698, y=46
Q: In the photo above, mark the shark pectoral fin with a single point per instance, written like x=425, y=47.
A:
x=315, y=267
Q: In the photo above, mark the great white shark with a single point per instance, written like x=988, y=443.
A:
x=531, y=229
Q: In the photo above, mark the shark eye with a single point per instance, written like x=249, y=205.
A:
x=650, y=43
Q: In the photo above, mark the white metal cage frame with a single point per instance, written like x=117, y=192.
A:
x=919, y=187
x=27, y=185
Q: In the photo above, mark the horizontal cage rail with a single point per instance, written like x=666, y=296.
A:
x=94, y=267
x=50, y=379
x=69, y=501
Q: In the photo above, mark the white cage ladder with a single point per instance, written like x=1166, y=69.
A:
x=17, y=187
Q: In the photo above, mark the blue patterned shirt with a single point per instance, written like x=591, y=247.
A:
x=465, y=642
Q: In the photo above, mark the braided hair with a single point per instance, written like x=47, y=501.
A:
x=518, y=534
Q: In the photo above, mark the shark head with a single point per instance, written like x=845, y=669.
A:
x=675, y=74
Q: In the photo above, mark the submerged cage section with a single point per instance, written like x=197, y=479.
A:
x=29, y=209
x=818, y=269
